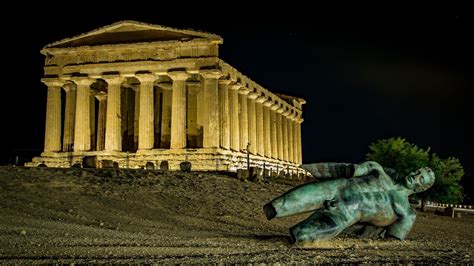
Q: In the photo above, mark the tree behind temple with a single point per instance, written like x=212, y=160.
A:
x=448, y=174
x=398, y=154
x=406, y=157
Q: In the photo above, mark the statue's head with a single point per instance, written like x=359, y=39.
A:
x=420, y=180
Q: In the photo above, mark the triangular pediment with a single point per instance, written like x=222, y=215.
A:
x=126, y=32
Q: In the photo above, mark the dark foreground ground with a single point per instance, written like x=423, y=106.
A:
x=91, y=216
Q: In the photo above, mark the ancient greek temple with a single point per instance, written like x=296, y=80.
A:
x=136, y=93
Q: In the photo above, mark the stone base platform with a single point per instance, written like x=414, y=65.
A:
x=201, y=159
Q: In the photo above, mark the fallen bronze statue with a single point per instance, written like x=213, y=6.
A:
x=364, y=199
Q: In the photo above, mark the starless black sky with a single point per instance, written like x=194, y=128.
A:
x=363, y=77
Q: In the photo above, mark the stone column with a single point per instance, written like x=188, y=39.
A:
x=252, y=117
x=211, y=135
x=52, y=138
x=224, y=113
x=273, y=130
x=166, y=110
x=200, y=106
x=193, y=89
x=243, y=118
x=101, y=123
x=113, y=126
x=136, y=119
x=178, y=109
x=260, y=125
x=299, y=146
x=285, y=136
x=158, y=117
x=295, y=140
x=145, y=121
x=280, y=139
x=290, y=139
x=266, y=128
x=69, y=116
x=82, y=129
x=93, y=136
x=234, y=117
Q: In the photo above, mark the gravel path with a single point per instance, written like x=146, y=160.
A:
x=137, y=216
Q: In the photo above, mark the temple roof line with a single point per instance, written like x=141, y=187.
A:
x=244, y=80
x=115, y=27
x=290, y=97
x=110, y=47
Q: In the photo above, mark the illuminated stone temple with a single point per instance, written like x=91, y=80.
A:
x=136, y=93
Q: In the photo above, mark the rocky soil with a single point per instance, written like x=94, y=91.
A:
x=123, y=216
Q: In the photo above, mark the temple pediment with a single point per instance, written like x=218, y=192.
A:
x=127, y=32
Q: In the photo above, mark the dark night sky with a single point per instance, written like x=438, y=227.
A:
x=363, y=77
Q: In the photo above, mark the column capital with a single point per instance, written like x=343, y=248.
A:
x=268, y=102
x=69, y=86
x=52, y=82
x=280, y=109
x=298, y=117
x=211, y=73
x=178, y=75
x=145, y=77
x=244, y=90
x=292, y=115
x=286, y=112
x=132, y=86
x=101, y=96
x=274, y=106
x=225, y=82
x=261, y=99
x=253, y=95
x=113, y=79
x=235, y=86
x=166, y=85
x=82, y=81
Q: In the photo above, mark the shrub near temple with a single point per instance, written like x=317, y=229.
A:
x=405, y=157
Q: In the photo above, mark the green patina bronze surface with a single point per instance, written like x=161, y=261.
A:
x=363, y=198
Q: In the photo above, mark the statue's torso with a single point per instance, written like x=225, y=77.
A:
x=371, y=198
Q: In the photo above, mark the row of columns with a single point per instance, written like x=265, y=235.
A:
x=271, y=130
x=77, y=130
x=233, y=117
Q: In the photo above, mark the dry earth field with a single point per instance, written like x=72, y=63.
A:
x=123, y=216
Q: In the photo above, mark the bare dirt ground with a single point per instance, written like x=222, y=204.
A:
x=138, y=216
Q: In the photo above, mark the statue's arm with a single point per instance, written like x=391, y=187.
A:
x=402, y=226
x=330, y=170
x=367, y=167
x=344, y=170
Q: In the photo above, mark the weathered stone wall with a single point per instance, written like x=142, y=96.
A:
x=201, y=159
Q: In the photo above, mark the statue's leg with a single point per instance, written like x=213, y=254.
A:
x=305, y=198
x=321, y=225
x=365, y=230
